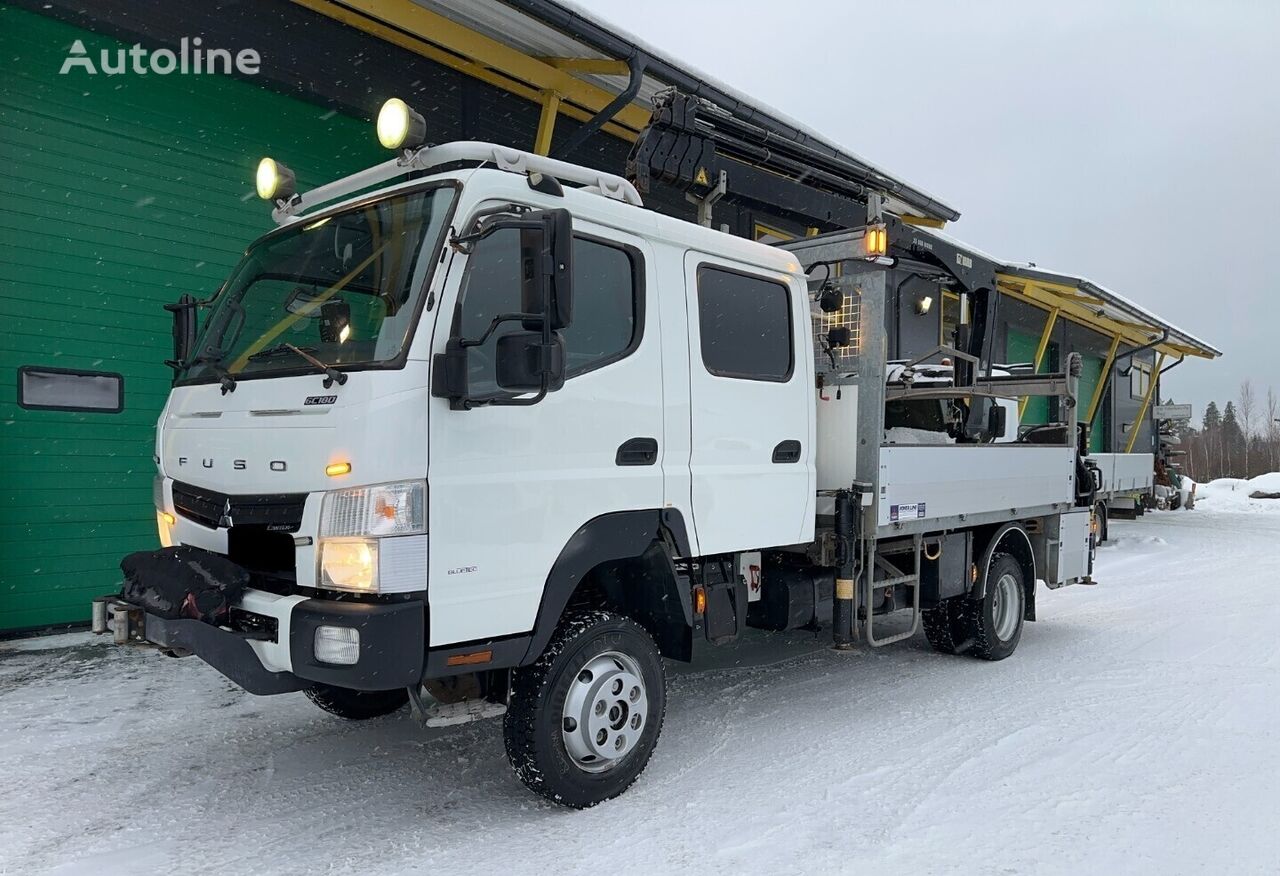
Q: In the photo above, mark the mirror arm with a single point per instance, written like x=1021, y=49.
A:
x=466, y=241
x=493, y=326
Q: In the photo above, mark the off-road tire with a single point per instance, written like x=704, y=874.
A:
x=357, y=705
x=939, y=626
x=532, y=726
x=1100, y=513
x=975, y=621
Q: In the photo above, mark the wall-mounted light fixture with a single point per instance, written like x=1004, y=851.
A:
x=923, y=304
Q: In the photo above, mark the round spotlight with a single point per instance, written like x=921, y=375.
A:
x=275, y=181
x=399, y=126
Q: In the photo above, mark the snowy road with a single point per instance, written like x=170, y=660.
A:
x=1135, y=730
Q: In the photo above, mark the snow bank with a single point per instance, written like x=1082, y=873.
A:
x=1234, y=493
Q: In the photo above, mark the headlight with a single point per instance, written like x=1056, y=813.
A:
x=349, y=564
x=382, y=510
x=373, y=539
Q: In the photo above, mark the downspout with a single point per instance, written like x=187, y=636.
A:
x=1164, y=336
x=638, y=63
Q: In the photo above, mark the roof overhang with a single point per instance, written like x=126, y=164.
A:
x=1089, y=304
x=575, y=63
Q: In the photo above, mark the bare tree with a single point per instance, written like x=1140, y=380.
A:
x=1247, y=410
x=1273, y=410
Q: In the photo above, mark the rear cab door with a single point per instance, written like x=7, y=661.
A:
x=752, y=454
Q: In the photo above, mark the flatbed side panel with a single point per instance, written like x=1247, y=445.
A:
x=932, y=482
x=1124, y=472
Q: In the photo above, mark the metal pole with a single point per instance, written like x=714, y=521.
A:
x=846, y=571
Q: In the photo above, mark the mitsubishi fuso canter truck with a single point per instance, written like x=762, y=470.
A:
x=474, y=430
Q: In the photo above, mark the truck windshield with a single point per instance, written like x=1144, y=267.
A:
x=344, y=289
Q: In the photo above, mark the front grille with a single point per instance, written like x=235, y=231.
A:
x=277, y=512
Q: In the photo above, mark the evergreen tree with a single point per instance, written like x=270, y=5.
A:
x=1232, y=442
x=1212, y=429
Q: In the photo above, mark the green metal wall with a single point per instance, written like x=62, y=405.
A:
x=1020, y=346
x=117, y=194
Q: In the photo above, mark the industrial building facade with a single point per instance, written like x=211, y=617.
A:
x=123, y=192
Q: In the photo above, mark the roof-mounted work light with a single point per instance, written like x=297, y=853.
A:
x=400, y=126
x=275, y=181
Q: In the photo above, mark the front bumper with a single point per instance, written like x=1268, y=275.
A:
x=392, y=650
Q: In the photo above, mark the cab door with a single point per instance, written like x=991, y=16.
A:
x=509, y=486
x=751, y=398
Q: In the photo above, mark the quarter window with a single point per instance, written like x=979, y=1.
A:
x=607, y=304
x=744, y=325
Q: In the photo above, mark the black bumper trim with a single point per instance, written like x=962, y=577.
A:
x=226, y=652
x=393, y=642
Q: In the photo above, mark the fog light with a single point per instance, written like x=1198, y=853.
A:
x=338, y=645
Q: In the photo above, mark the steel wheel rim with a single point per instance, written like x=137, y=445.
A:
x=1006, y=606
x=605, y=712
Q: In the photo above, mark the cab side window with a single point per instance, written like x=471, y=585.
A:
x=607, y=304
x=744, y=325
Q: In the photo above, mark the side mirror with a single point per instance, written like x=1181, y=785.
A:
x=546, y=258
x=997, y=420
x=523, y=359
x=184, y=330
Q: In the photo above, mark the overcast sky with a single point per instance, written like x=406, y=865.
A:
x=1135, y=143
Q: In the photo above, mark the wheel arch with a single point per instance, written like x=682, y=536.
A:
x=626, y=561
x=1013, y=539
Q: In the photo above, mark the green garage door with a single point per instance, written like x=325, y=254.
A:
x=117, y=195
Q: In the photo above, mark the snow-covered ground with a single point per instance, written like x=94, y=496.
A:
x=1135, y=730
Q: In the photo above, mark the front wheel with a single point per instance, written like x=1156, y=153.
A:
x=357, y=705
x=990, y=627
x=583, y=720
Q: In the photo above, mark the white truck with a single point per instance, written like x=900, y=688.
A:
x=473, y=428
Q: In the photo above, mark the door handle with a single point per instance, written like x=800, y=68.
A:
x=638, y=451
x=787, y=451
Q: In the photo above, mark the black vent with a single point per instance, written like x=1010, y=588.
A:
x=279, y=512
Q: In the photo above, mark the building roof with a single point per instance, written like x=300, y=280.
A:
x=1100, y=307
x=536, y=47
x=1088, y=303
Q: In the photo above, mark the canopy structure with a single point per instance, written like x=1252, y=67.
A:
x=575, y=64
x=1083, y=301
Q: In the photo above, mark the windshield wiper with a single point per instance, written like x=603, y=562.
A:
x=332, y=375
x=225, y=379
x=279, y=350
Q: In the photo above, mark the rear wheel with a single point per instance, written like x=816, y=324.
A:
x=357, y=705
x=990, y=627
x=939, y=625
x=583, y=720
